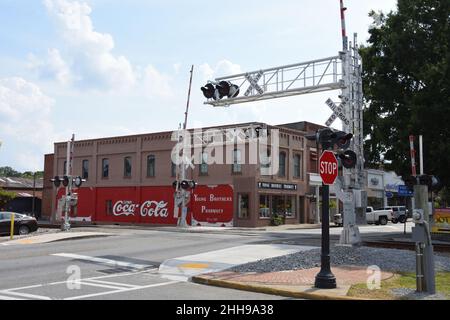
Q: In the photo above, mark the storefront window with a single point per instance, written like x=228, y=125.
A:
x=243, y=206
x=297, y=166
x=284, y=206
x=264, y=206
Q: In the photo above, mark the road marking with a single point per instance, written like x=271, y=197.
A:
x=86, y=283
x=194, y=265
x=122, y=290
x=108, y=262
x=26, y=295
x=119, y=284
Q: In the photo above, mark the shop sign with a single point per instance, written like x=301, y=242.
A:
x=277, y=186
x=441, y=221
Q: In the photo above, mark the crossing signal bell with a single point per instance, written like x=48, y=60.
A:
x=219, y=90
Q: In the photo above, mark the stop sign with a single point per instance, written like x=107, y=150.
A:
x=328, y=167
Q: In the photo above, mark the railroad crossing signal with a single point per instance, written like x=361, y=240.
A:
x=328, y=165
x=338, y=112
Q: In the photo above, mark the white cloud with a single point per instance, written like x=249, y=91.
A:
x=93, y=63
x=25, y=120
x=222, y=68
x=53, y=67
x=155, y=83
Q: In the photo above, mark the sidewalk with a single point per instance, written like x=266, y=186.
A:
x=294, y=283
x=52, y=237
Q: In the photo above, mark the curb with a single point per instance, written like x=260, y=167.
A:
x=29, y=240
x=270, y=290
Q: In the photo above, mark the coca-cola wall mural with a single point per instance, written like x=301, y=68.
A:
x=209, y=205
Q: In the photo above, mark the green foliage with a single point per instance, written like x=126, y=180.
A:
x=5, y=197
x=276, y=219
x=10, y=172
x=407, y=87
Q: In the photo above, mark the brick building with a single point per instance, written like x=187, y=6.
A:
x=129, y=180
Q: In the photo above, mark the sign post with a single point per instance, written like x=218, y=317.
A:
x=328, y=167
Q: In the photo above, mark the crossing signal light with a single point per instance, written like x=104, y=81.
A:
x=342, y=139
x=188, y=184
x=220, y=90
x=78, y=181
x=348, y=159
x=56, y=181
x=65, y=181
x=432, y=182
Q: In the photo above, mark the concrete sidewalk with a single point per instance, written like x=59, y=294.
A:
x=293, y=283
x=52, y=237
x=183, y=268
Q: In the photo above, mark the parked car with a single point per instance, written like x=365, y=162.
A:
x=23, y=224
x=400, y=213
x=378, y=216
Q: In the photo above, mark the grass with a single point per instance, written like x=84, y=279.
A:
x=400, y=280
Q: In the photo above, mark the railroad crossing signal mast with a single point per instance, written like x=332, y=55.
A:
x=342, y=72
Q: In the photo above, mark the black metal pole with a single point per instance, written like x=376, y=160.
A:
x=34, y=194
x=325, y=279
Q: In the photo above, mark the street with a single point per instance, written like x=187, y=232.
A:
x=125, y=264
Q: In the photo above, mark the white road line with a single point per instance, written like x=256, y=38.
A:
x=109, y=262
x=120, y=291
x=26, y=295
x=113, y=283
x=83, y=282
x=9, y=298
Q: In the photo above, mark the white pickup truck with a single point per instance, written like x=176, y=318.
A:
x=378, y=216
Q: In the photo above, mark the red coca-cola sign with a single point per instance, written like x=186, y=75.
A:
x=152, y=205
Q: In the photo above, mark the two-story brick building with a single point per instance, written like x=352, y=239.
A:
x=129, y=180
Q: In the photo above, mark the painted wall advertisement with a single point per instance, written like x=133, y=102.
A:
x=441, y=221
x=209, y=205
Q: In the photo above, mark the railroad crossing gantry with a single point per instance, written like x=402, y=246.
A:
x=342, y=72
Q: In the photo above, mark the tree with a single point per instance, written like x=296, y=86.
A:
x=406, y=83
x=9, y=172
x=5, y=197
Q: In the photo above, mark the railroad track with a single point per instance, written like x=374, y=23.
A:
x=437, y=247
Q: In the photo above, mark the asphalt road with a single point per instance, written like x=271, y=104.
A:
x=47, y=271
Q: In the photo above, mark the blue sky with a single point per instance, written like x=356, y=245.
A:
x=101, y=68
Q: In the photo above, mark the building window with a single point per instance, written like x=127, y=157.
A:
x=151, y=163
x=127, y=167
x=105, y=168
x=264, y=206
x=237, y=167
x=297, y=166
x=243, y=208
x=109, y=208
x=85, y=169
x=65, y=168
x=282, y=165
x=204, y=164
x=173, y=170
x=285, y=206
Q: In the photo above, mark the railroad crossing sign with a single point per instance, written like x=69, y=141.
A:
x=338, y=112
x=328, y=165
x=253, y=80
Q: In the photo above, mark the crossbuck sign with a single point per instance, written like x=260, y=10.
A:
x=338, y=112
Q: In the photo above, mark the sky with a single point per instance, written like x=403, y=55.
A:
x=102, y=68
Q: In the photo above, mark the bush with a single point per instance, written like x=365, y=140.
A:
x=276, y=219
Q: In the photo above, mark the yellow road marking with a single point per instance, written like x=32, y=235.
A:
x=194, y=265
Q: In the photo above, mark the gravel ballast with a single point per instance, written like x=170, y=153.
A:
x=385, y=259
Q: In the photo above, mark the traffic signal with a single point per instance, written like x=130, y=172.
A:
x=188, y=184
x=65, y=181
x=78, y=181
x=56, y=181
x=330, y=138
x=220, y=90
x=432, y=182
